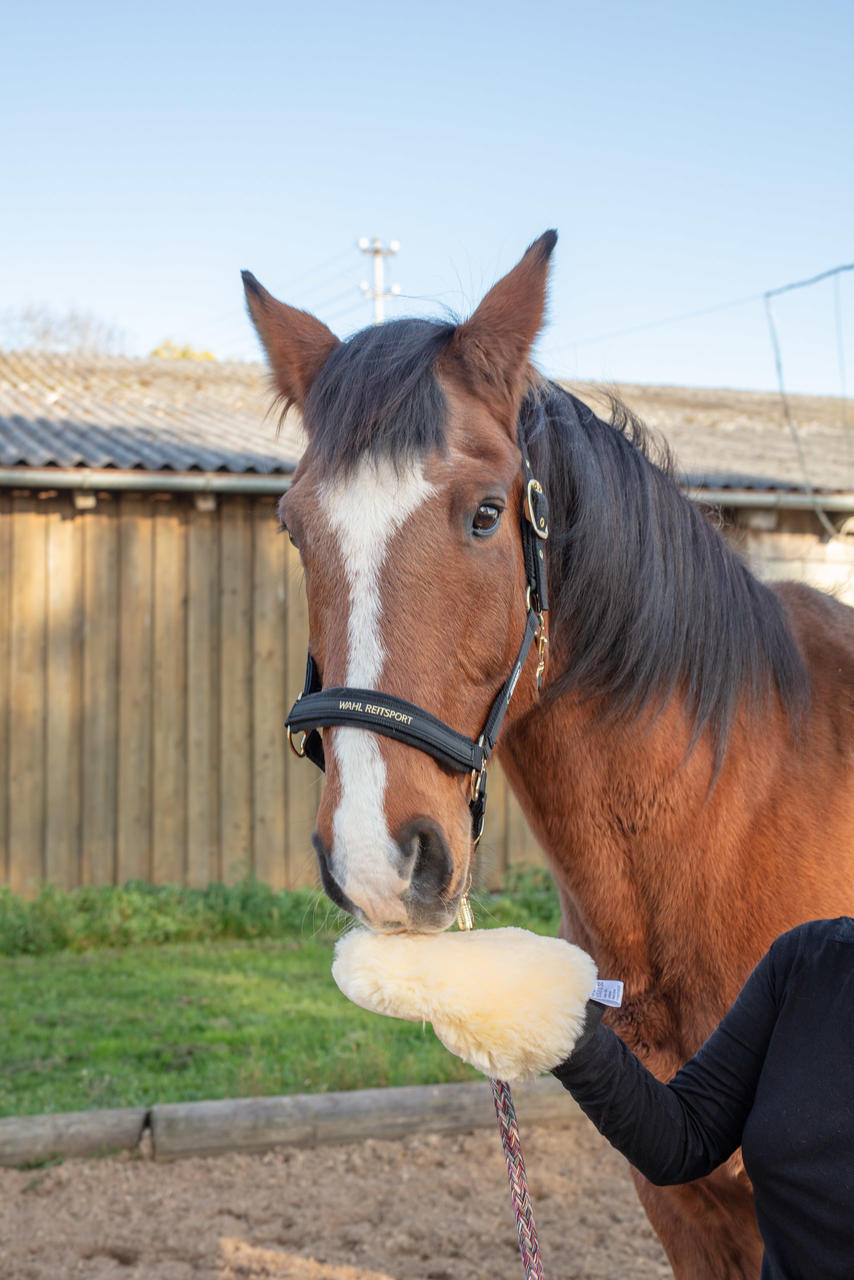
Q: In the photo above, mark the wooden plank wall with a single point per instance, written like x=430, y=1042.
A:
x=148, y=654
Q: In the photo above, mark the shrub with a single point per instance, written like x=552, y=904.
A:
x=140, y=913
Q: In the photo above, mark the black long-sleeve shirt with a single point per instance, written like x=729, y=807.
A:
x=777, y=1078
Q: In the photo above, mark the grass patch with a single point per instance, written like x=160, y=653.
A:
x=141, y=913
x=220, y=1015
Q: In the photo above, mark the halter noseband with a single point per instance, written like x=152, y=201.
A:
x=393, y=717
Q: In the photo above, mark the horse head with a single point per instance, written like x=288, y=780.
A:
x=406, y=508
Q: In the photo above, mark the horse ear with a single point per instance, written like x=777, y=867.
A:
x=491, y=348
x=297, y=344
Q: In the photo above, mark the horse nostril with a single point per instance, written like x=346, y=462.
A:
x=415, y=846
x=331, y=887
x=426, y=859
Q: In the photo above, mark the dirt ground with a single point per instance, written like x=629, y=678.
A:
x=428, y=1207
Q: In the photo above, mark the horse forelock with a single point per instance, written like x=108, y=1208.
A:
x=378, y=397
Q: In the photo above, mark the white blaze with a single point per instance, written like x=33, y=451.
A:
x=364, y=510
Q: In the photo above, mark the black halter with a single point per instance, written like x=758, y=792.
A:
x=317, y=708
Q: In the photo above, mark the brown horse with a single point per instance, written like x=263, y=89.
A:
x=687, y=767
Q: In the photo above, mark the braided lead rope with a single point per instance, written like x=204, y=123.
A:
x=522, y=1208
x=508, y=1127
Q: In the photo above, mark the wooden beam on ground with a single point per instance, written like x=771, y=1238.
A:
x=30, y=1139
x=308, y=1120
x=259, y=1124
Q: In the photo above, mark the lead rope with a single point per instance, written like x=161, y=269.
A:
x=523, y=1210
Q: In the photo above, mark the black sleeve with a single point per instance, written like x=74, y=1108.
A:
x=682, y=1130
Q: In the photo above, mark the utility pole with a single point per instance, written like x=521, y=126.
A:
x=379, y=293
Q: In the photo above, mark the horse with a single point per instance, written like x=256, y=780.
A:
x=686, y=764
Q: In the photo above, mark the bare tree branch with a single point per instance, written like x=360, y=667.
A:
x=36, y=327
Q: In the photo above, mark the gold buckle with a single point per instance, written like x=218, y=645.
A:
x=477, y=776
x=465, y=915
x=542, y=644
x=541, y=529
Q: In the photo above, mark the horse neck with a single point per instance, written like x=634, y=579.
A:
x=630, y=828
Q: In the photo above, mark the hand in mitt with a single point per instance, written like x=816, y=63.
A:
x=509, y=1002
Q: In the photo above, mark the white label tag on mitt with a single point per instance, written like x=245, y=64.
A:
x=608, y=993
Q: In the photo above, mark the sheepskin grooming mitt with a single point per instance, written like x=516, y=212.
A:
x=507, y=1001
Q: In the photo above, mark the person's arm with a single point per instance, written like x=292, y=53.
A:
x=682, y=1130
x=514, y=1004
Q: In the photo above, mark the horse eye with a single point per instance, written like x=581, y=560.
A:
x=283, y=528
x=486, y=519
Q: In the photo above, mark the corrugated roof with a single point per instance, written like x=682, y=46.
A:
x=105, y=412
x=726, y=439
x=151, y=415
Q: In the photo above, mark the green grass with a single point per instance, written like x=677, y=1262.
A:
x=139, y=912
x=237, y=1014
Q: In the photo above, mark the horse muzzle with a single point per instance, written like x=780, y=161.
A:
x=414, y=897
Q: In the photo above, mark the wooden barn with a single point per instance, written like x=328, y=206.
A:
x=153, y=624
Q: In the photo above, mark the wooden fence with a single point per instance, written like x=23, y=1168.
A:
x=148, y=653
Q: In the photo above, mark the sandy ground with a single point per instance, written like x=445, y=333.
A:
x=426, y=1208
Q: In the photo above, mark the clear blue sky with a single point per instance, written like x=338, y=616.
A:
x=688, y=153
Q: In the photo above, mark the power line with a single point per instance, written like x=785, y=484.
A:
x=826, y=524
x=659, y=324
x=708, y=311
x=322, y=287
x=321, y=268
x=335, y=299
x=343, y=312
x=803, y=284
x=765, y=298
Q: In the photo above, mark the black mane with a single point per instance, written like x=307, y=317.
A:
x=646, y=597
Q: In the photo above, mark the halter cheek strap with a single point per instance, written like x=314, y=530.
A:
x=393, y=717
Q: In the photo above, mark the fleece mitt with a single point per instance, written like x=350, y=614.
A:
x=509, y=1002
